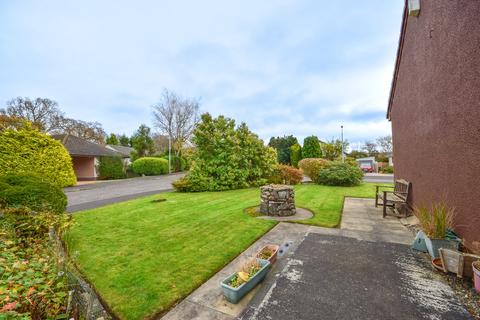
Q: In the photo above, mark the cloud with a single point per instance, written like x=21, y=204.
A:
x=283, y=67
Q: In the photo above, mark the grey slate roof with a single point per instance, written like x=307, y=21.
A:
x=80, y=147
x=125, y=151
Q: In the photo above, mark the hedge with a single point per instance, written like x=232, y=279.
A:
x=150, y=166
x=111, y=168
x=32, y=192
x=28, y=151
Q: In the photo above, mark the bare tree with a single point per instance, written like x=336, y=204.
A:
x=176, y=117
x=42, y=112
x=370, y=148
x=385, y=143
x=91, y=131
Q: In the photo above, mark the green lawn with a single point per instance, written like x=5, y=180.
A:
x=142, y=257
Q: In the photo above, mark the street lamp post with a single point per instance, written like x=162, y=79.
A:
x=343, y=151
x=169, y=153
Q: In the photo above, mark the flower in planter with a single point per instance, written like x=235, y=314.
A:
x=248, y=271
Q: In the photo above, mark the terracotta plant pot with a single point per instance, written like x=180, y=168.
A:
x=437, y=263
x=271, y=247
x=476, y=275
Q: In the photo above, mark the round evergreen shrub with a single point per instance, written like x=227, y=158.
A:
x=31, y=192
x=150, y=166
x=29, y=152
x=340, y=174
x=111, y=168
x=312, y=166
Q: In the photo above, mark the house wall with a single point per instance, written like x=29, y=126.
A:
x=435, y=110
x=84, y=168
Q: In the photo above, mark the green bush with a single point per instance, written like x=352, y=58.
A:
x=386, y=169
x=312, y=166
x=227, y=157
x=27, y=151
x=178, y=163
x=295, y=154
x=284, y=174
x=311, y=147
x=150, y=166
x=340, y=174
x=111, y=168
x=32, y=192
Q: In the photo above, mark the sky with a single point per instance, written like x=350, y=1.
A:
x=301, y=67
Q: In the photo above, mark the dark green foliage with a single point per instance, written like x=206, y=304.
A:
x=178, y=164
x=28, y=151
x=340, y=174
x=32, y=192
x=226, y=157
x=112, y=139
x=311, y=147
x=111, y=168
x=123, y=140
x=295, y=154
x=142, y=142
x=282, y=145
x=150, y=166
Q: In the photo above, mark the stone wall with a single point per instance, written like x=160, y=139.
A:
x=277, y=200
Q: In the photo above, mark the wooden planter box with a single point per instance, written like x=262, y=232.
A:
x=458, y=262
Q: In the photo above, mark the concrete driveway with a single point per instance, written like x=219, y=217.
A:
x=94, y=195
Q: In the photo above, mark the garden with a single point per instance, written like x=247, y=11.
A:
x=144, y=255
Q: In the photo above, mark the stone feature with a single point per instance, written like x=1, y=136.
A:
x=277, y=200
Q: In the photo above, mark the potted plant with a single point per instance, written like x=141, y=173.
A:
x=476, y=275
x=238, y=284
x=268, y=252
x=435, y=222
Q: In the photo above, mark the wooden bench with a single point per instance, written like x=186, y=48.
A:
x=396, y=199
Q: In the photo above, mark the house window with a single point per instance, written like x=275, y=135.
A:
x=413, y=8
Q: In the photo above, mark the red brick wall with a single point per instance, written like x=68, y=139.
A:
x=436, y=109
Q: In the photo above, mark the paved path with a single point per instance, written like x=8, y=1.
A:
x=364, y=270
x=94, y=195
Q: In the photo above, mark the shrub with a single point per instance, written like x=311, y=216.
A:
x=182, y=185
x=340, y=174
x=31, y=286
x=227, y=157
x=295, y=154
x=284, y=174
x=178, y=163
x=312, y=167
x=387, y=169
x=111, y=168
x=150, y=166
x=34, y=193
x=28, y=151
x=311, y=147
